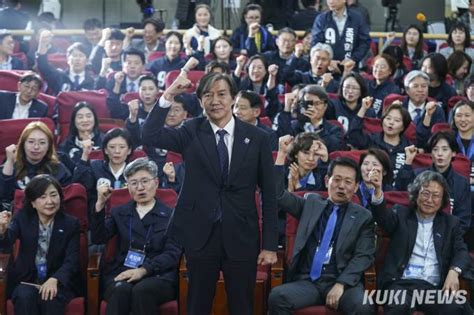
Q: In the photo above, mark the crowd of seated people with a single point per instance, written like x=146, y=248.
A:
x=388, y=112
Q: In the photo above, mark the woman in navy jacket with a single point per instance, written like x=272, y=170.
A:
x=443, y=147
x=395, y=121
x=34, y=154
x=48, y=259
x=143, y=273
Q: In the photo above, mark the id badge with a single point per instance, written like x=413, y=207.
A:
x=134, y=259
x=413, y=271
x=327, y=258
x=42, y=271
x=117, y=184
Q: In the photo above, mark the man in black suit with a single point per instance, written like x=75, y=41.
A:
x=23, y=104
x=426, y=250
x=335, y=242
x=216, y=218
x=7, y=61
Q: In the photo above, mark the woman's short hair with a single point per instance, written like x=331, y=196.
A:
x=423, y=180
x=116, y=133
x=384, y=159
x=303, y=142
x=141, y=164
x=406, y=118
x=392, y=64
x=177, y=35
x=37, y=187
x=455, y=109
x=439, y=64
x=73, y=132
x=460, y=26
x=360, y=81
x=447, y=135
x=257, y=57
x=456, y=60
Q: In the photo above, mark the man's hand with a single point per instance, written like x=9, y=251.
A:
x=179, y=85
x=452, y=281
x=49, y=289
x=44, y=41
x=299, y=48
x=334, y=295
x=131, y=275
x=267, y=257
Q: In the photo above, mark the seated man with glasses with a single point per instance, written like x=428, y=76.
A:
x=143, y=273
x=23, y=104
x=426, y=249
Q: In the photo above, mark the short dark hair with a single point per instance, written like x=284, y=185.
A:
x=174, y=33
x=456, y=61
x=253, y=98
x=344, y=161
x=210, y=78
x=116, y=133
x=288, y=30
x=422, y=180
x=214, y=42
x=390, y=61
x=77, y=46
x=36, y=188
x=360, y=80
x=134, y=52
x=302, y=142
x=460, y=26
x=257, y=57
x=157, y=23
x=406, y=118
x=250, y=7
x=214, y=64
x=91, y=24
x=438, y=63
x=396, y=53
x=313, y=89
x=447, y=135
x=73, y=132
x=30, y=77
x=455, y=109
x=147, y=77
x=384, y=159
x=116, y=34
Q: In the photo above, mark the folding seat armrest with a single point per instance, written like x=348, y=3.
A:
x=370, y=280
x=183, y=285
x=4, y=259
x=93, y=276
x=277, y=269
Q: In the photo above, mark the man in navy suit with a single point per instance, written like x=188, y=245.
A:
x=23, y=104
x=216, y=218
x=7, y=61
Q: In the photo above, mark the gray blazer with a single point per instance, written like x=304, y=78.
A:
x=355, y=248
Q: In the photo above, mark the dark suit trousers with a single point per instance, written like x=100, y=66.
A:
x=286, y=298
x=27, y=301
x=204, y=267
x=139, y=298
x=429, y=309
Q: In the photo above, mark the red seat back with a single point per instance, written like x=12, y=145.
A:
x=130, y=96
x=453, y=100
x=389, y=99
x=460, y=163
x=372, y=125
x=11, y=129
x=9, y=79
x=174, y=157
x=440, y=127
x=58, y=60
x=354, y=154
x=155, y=55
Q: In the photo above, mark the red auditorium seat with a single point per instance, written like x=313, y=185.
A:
x=155, y=55
x=174, y=157
x=11, y=130
x=58, y=60
x=75, y=204
x=354, y=154
x=10, y=78
x=461, y=164
x=374, y=125
x=453, y=100
x=440, y=127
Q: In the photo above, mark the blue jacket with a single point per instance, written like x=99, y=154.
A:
x=96, y=60
x=354, y=41
x=70, y=147
x=294, y=77
x=337, y=109
x=63, y=254
x=442, y=94
x=272, y=105
x=162, y=252
x=459, y=190
x=240, y=40
x=58, y=80
x=273, y=57
x=379, y=92
x=8, y=102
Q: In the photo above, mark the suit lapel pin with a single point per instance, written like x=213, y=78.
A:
x=60, y=230
x=246, y=140
x=352, y=217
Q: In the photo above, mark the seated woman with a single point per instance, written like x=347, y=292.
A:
x=117, y=148
x=459, y=65
x=251, y=33
x=46, y=273
x=202, y=27
x=374, y=163
x=463, y=124
x=411, y=44
x=83, y=132
x=34, y=154
x=443, y=147
x=400, y=69
x=352, y=90
x=308, y=160
x=221, y=51
x=459, y=39
x=436, y=67
x=144, y=271
x=395, y=120
x=312, y=104
x=382, y=85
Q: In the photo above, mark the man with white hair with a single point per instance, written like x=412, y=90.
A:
x=320, y=58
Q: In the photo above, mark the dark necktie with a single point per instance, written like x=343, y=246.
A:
x=76, y=82
x=322, y=251
x=131, y=87
x=417, y=115
x=223, y=155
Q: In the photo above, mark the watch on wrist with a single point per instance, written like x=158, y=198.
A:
x=457, y=269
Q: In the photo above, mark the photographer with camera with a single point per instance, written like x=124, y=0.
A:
x=310, y=110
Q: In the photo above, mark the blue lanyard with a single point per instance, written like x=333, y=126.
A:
x=365, y=192
x=304, y=180
x=130, y=234
x=470, y=149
